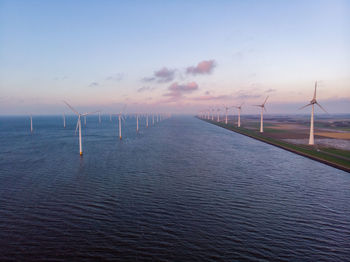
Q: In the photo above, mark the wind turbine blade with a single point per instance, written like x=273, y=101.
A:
x=322, y=108
x=75, y=111
x=241, y=104
x=265, y=100
x=265, y=108
x=77, y=125
x=305, y=106
x=90, y=113
x=315, y=90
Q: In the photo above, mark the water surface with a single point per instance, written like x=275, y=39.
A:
x=182, y=190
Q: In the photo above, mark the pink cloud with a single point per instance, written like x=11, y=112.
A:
x=210, y=98
x=204, y=67
x=189, y=87
x=163, y=75
x=145, y=88
x=176, y=90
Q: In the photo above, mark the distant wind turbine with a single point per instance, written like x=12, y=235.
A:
x=120, y=125
x=218, y=110
x=312, y=103
x=64, y=120
x=120, y=118
x=137, y=122
x=239, y=114
x=226, y=110
x=99, y=117
x=31, y=124
x=79, y=124
x=261, y=115
x=146, y=120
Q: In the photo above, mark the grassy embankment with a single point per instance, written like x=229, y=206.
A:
x=333, y=157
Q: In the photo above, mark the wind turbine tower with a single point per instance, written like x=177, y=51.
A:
x=64, y=120
x=137, y=122
x=312, y=104
x=262, y=115
x=79, y=124
x=120, y=126
x=31, y=124
x=226, y=110
x=239, y=114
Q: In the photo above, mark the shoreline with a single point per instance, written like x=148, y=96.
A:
x=297, y=149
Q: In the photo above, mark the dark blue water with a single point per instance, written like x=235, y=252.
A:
x=183, y=190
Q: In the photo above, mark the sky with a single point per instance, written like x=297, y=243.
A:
x=173, y=56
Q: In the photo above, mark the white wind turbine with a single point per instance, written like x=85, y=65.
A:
x=64, y=120
x=120, y=118
x=312, y=103
x=31, y=124
x=99, y=117
x=261, y=115
x=120, y=125
x=137, y=123
x=147, y=120
x=218, y=110
x=239, y=114
x=226, y=110
x=79, y=124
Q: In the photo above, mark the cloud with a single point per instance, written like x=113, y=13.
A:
x=247, y=96
x=148, y=79
x=243, y=94
x=204, y=67
x=176, y=91
x=270, y=90
x=93, y=84
x=145, y=88
x=163, y=75
x=210, y=98
x=116, y=77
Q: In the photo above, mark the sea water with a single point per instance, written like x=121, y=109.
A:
x=181, y=190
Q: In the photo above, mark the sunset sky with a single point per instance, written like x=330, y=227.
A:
x=173, y=56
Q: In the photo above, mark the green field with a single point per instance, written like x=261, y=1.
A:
x=330, y=156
